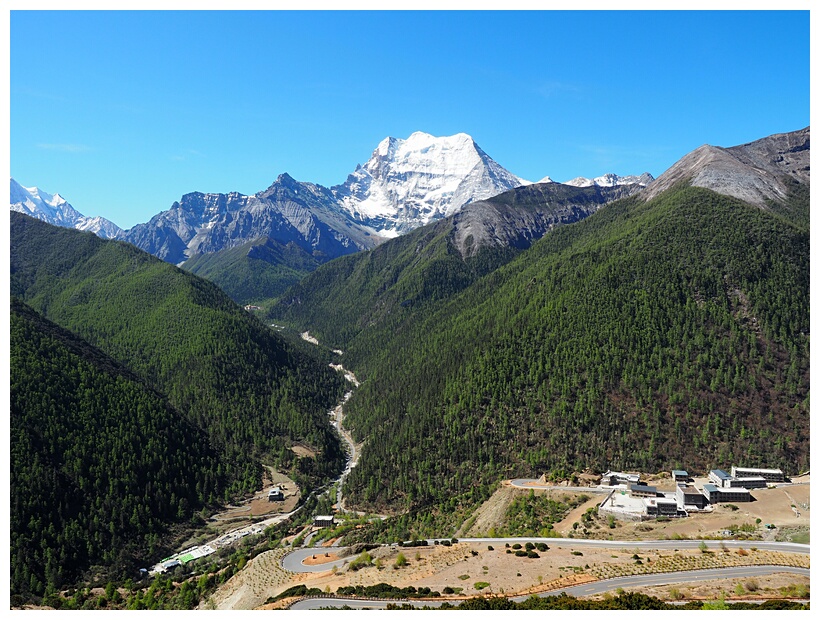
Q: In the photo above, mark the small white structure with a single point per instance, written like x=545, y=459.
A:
x=661, y=507
x=680, y=475
x=689, y=498
x=719, y=478
x=276, y=495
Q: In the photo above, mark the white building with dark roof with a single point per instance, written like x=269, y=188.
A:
x=770, y=475
x=680, y=475
x=720, y=495
x=719, y=478
x=661, y=506
x=642, y=490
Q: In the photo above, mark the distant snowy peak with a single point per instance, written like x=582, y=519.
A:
x=54, y=209
x=611, y=180
x=409, y=183
x=35, y=202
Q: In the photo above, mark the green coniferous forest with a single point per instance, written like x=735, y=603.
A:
x=215, y=362
x=251, y=395
x=255, y=271
x=100, y=463
x=672, y=333
x=409, y=275
x=652, y=335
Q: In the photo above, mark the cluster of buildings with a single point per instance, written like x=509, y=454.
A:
x=737, y=486
x=631, y=500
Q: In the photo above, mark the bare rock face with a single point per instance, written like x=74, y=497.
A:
x=288, y=211
x=752, y=172
x=523, y=215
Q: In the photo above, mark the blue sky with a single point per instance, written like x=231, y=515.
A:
x=123, y=112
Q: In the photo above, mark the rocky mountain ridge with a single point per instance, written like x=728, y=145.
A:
x=405, y=184
x=754, y=172
x=611, y=180
x=523, y=215
x=408, y=183
x=287, y=211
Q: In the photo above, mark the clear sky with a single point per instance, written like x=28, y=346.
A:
x=123, y=112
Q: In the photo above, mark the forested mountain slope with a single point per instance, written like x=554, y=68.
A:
x=253, y=394
x=668, y=333
x=371, y=293
x=101, y=465
x=256, y=271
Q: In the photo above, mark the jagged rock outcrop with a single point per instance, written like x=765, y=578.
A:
x=611, y=179
x=288, y=211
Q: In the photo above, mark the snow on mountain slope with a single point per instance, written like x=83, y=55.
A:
x=54, y=209
x=405, y=184
x=611, y=180
x=408, y=183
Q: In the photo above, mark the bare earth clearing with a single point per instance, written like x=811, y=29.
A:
x=321, y=558
x=234, y=517
x=771, y=506
x=438, y=567
x=768, y=588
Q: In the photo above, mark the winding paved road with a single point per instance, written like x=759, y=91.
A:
x=293, y=561
x=587, y=589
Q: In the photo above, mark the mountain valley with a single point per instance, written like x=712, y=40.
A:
x=499, y=329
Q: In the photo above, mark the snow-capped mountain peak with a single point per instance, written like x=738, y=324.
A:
x=611, y=180
x=33, y=201
x=54, y=209
x=407, y=183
